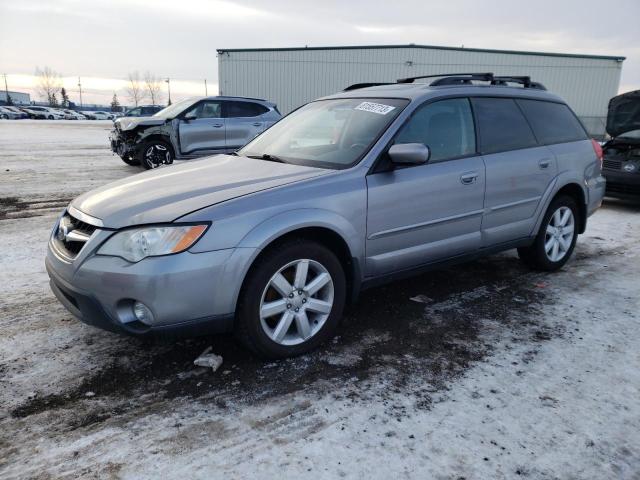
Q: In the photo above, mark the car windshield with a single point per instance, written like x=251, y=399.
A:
x=175, y=109
x=334, y=133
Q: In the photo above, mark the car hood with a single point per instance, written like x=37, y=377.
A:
x=624, y=113
x=129, y=123
x=168, y=193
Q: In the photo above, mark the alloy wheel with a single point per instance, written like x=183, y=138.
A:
x=156, y=155
x=296, y=302
x=559, y=234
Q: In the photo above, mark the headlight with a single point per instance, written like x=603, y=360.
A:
x=138, y=243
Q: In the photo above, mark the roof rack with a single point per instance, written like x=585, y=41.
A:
x=470, y=76
x=461, y=79
x=356, y=86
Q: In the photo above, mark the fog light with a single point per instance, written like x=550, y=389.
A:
x=142, y=313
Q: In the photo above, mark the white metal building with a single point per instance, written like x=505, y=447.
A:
x=17, y=98
x=291, y=77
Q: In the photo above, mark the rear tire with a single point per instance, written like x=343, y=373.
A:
x=291, y=301
x=556, y=238
x=155, y=153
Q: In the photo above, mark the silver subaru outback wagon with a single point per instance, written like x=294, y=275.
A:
x=351, y=190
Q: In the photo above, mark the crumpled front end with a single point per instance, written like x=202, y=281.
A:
x=123, y=143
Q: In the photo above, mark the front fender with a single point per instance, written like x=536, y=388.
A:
x=263, y=234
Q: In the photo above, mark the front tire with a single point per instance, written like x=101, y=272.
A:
x=129, y=160
x=292, y=300
x=155, y=153
x=556, y=238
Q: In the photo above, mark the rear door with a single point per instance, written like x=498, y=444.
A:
x=519, y=170
x=202, y=128
x=421, y=214
x=244, y=122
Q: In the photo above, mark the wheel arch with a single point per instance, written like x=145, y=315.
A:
x=162, y=137
x=324, y=227
x=576, y=192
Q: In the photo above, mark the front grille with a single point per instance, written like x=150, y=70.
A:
x=623, y=189
x=612, y=164
x=70, y=247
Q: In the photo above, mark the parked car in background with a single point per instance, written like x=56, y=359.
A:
x=143, y=111
x=347, y=192
x=8, y=114
x=98, y=115
x=622, y=152
x=191, y=128
x=73, y=115
x=45, y=113
x=16, y=110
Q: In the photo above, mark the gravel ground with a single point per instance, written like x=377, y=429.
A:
x=480, y=371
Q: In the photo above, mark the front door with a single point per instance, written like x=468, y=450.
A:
x=422, y=214
x=202, y=128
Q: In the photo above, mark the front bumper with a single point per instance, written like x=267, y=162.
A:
x=188, y=293
x=622, y=184
x=121, y=145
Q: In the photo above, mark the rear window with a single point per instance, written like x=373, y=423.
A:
x=552, y=122
x=244, y=109
x=501, y=125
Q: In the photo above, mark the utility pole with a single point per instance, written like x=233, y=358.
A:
x=80, y=87
x=206, y=93
x=168, y=80
x=6, y=90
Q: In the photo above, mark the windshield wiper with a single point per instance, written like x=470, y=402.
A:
x=268, y=157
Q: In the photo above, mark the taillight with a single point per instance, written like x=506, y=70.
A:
x=598, y=149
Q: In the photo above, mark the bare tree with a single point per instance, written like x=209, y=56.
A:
x=134, y=89
x=48, y=83
x=153, y=84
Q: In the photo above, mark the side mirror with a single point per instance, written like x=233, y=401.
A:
x=189, y=116
x=409, y=153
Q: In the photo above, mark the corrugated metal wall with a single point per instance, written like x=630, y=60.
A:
x=294, y=77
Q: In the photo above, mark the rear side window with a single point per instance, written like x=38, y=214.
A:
x=552, y=122
x=446, y=127
x=244, y=109
x=501, y=125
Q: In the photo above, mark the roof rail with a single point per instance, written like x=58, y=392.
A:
x=480, y=76
x=525, y=81
x=460, y=79
x=357, y=86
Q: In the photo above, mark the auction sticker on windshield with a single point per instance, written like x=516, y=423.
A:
x=372, y=107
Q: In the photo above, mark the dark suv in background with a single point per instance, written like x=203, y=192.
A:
x=622, y=153
x=143, y=111
x=192, y=128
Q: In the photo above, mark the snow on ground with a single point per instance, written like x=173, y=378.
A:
x=495, y=372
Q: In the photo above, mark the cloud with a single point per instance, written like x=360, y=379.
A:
x=179, y=38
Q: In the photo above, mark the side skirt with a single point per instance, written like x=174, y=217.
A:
x=371, y=282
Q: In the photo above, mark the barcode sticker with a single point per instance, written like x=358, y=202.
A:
x=379, y=108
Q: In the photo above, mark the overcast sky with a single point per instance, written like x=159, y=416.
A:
x=103, y=40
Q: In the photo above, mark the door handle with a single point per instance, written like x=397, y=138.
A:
x=469, y=178
x=544, y=163
x=216, y=125
x=257, y=124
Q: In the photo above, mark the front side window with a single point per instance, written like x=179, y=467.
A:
x=501, y=125
x=446, y=127
x=135, y=112
x=552, y=122
x=206, y=109
x=333, y=133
